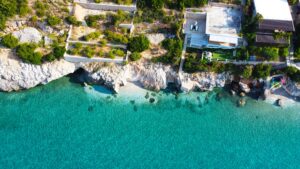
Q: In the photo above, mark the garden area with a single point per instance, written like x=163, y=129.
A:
x=90, y=51
x=38, y=34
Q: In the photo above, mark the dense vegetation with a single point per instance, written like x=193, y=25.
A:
x=27, y=53
x=297, y=42
x=138, y=44
x=135, y=56
x=72, y=20
x=175, y=4
x=10, y=8
x=53, y=20
x=293, y=73
x=57, y=53
x=92, y=20
x=92, y=36
x=9, y=41
x=40, y=8
x=116, y=37
x=174, y=48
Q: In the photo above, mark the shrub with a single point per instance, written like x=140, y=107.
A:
x=293, y=73
x=91, y=20
x=103, y=42
x=247, y=72
x=88, y=52
x=53, y=20
x=27, y=53
x=116, y=37
x=111, y=55
x=9, y=41
x=119, y=17
x=40, y=8
x=242, y=54
x=23, y=8
x=118, y=52
x=135, y=56
x=50, y=57
x=139, y=44
x=262, y=71
x=58, y=52
x=271, y=53
x=72, y=21
x=92, y=36
x=174, y=47
x=284, y=52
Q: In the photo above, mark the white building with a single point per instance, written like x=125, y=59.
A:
x=214, y=27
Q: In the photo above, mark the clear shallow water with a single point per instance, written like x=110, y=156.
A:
x=63, y=125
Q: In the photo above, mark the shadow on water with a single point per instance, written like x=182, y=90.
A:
x=77, y=76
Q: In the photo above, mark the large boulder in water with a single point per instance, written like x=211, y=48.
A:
x=244, y=87
x=28, y=35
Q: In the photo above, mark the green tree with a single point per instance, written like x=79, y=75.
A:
x=139, y=44
x=9, y=41
x=293, y=73
x=262, y=71
x=247, y=71
x=53, y=20
x=58, y=52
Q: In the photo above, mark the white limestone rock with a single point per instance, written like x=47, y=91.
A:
x=28, y=35
x=244, y=87
x=17, y=75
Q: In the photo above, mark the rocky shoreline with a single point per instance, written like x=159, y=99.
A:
x=16, y=75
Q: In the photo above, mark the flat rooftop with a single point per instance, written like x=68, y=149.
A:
x=273, y=9
x=223, y=20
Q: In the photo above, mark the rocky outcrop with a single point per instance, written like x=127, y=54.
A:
x=205, y=81
x=244, y=87
x=152, y=76
x=17, y=75
x=28, y=35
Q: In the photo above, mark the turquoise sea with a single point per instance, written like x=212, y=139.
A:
x=65, y=125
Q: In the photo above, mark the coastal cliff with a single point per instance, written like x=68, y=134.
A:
x=152, y=76
x=17, y=75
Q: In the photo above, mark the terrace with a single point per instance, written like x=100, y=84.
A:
x=104, y=32
x=213, y=27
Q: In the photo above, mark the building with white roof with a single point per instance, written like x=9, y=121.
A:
x=213, y=27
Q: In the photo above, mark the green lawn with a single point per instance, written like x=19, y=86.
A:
x=222, y=55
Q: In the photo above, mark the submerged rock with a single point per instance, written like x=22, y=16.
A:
x=151, y=100
x=241, y=102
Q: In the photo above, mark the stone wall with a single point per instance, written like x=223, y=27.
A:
x=108, y=7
